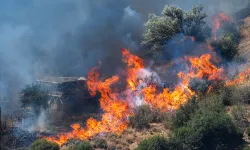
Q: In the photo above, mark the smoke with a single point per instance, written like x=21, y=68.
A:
x=38, y=123
x=67, y=38
x=61, y=38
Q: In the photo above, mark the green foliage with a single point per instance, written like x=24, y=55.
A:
x=43, y=145
x=194, y=24
x=33, y=96
x=184, y=113
x=204, y=125
x=226, y=46
x=142, y=117
x=159, y=29
x=85, y=145
x=214, y=130
x=154, y=143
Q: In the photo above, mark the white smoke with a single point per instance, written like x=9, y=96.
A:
x=36, y=124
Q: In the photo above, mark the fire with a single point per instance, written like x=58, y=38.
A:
x=242, y=76
x=134, y=64
x=114, y=118
x=217, y=23
x=117, y=107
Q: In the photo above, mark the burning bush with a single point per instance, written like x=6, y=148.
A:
x=44, y=145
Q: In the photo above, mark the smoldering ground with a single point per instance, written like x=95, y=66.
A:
x=67, y=38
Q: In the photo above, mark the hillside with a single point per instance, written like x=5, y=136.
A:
x=244, y=46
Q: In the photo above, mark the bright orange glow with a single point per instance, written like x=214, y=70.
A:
x=242, y=76
x=117, y=107
x=217, y=23
x=134, y=64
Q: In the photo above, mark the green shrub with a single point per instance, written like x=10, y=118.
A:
x=142, y=117
x=227, y=47
x=215, y=130
x=85, y=145
x=100, y=143
x=43, y=145
x=154, y=143
x=184, y=113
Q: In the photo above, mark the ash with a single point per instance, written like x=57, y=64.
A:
x=16, y=138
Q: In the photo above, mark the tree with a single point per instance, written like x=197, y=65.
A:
x=35, y=97
x=159, y=29
x=44, y=145
x=194, y=24
x=173, y=20
x=227, y=47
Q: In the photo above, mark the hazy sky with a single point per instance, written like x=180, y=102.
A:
x=67, y=37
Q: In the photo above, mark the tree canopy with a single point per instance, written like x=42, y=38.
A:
x=173, y=20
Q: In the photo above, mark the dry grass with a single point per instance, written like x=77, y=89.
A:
x=130, y=138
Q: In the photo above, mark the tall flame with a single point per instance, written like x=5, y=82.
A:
x=117, y=107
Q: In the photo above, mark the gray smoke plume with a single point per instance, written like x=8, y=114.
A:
x=68, y=37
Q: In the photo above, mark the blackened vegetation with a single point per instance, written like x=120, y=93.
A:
x=16, y=138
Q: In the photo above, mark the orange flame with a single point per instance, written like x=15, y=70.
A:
x=242, y=76
x=117, y=107
x=134, y=64
x=217, y=22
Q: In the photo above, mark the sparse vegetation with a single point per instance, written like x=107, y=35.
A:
x=44, y=145
x=85, y=145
